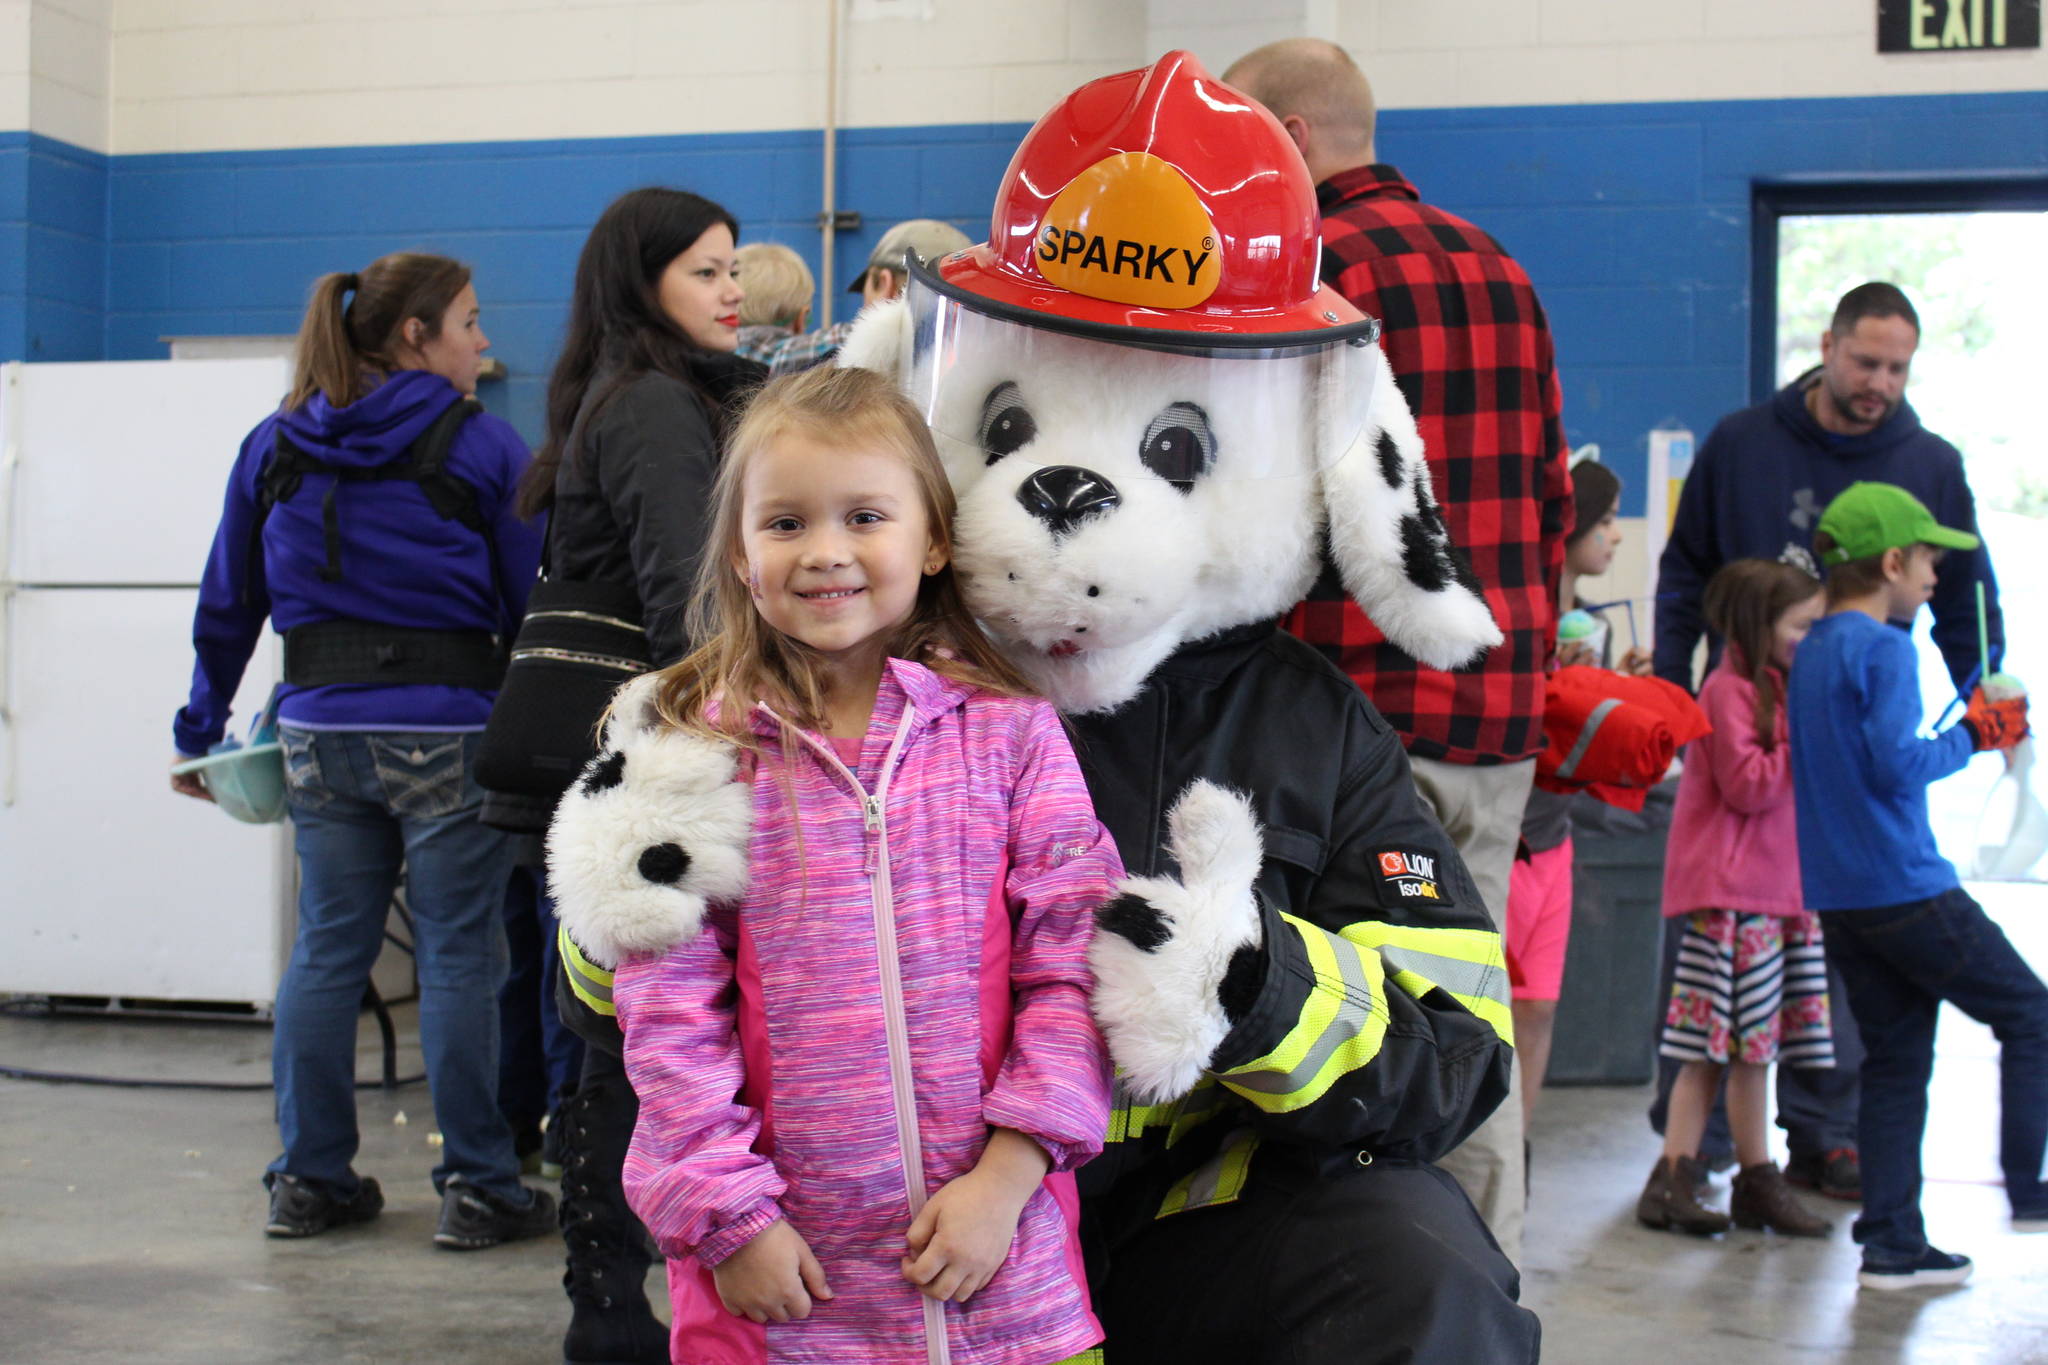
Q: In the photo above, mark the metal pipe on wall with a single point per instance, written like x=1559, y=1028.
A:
x=828, y=215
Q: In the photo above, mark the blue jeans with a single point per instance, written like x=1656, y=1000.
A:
x=363, y=806
x=1899, y=963
x=539, y=1059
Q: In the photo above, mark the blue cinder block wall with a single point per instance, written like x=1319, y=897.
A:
x=53, y=250
x=1633, y=219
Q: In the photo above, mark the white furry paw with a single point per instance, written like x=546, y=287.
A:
x=1163, y=948
x=653, y=831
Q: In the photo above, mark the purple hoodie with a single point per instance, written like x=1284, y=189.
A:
x=401, y=563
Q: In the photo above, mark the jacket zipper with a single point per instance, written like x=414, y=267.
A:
x=895, y=1024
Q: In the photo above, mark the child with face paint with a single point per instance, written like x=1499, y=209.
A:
x=862, y=1085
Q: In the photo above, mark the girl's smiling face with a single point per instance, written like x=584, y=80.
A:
x=834, y=544
x=700, y=290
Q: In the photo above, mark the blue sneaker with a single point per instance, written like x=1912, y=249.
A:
x=1930, y=1267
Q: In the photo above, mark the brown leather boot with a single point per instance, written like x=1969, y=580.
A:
x=1762, y=1199
x=1670, y=1199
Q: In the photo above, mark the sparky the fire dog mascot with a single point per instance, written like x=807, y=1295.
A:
x=1153, y=415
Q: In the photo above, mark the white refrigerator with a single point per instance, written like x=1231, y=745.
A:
x=111, y=480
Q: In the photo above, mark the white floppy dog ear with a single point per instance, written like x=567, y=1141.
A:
x=652, y=833
x=1392, y=548
x=880, y=341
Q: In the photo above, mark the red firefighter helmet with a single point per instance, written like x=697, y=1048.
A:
x=1162, y=202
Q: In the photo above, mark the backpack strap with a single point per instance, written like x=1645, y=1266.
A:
x=425, y=463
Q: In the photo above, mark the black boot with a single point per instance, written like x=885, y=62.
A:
x=611, y=1323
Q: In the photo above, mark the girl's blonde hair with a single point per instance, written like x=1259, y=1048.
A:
x=740, y=658
x=1743, y=602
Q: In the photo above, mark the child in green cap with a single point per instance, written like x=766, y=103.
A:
x=1899, y=927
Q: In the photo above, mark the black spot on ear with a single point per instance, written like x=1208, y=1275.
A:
x=1422, y=555
x=1426, y=505
x=1241, y=980
x=1390, y=460
x=1136, y=919
x=664, y=863
x=604, y=773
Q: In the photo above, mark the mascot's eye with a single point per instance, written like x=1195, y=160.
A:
x=1006, y=424
x=1178, y=446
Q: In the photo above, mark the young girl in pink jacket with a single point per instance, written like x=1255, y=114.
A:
x=864, y=1078
x=1751, y=986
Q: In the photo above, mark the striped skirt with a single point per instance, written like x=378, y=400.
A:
x=1750, y=988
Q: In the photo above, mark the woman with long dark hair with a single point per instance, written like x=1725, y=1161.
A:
x=370, y=520
x=645, y=385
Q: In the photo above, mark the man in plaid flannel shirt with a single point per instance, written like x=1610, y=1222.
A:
x=1471, y=350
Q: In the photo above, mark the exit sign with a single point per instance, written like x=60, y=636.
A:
x=1957, y=25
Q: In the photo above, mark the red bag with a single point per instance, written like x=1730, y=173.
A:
x=1612, y=735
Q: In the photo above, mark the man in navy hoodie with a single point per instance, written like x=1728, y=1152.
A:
x=1763, y=476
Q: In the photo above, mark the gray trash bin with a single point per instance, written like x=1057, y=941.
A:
x=1610, y=1004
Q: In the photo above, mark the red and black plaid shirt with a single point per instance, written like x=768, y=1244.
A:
x=1471, y=351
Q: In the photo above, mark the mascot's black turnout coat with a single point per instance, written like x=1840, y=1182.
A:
x=1305, y=1000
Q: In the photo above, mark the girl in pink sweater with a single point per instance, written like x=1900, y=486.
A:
x=864, y=1078
x=1751, y=986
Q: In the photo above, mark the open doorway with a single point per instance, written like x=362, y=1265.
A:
x=1973, y=273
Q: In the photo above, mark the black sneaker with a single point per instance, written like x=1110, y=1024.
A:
x=301, y=1209
x=1932, y=1267
x=2031, y=1217
x=473, y=1218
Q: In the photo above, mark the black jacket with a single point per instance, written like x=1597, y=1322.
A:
x=1353, y=861
x=632, y=495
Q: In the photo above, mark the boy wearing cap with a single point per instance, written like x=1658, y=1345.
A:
x=1900, y=928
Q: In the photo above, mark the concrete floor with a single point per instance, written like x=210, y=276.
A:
x=129, y=1228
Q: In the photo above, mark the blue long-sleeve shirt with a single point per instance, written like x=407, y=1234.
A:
x=402, y=563
x=1757, y=490
x=1860, y=768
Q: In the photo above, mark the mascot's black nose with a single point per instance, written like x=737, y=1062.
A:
x=1064, y=496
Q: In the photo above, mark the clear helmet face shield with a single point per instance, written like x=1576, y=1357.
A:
x=1186, y=406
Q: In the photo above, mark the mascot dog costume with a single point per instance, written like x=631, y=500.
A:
x=1150, y=409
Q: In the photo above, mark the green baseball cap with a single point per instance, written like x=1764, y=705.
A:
x=1866, y=519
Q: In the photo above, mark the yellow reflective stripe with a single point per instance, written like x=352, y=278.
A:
x=1466, y=963
x=1492, y=1011
x=592, y=983
x=1092, y=1356
x=1131, y=1121
x=1219, y=1180
x=1341, y=1027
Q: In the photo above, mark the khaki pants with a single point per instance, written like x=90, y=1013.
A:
x=1481, y=809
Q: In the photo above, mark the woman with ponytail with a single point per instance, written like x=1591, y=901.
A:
x=646, y=386
x=371, y=521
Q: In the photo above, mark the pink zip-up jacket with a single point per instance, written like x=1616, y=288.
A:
x=908, y=974
x=1733, y=843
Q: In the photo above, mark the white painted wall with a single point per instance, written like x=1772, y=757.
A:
x=215, y=74
x=54, y=68
x=14, y=65
x=188, y=75
x=1460, y=53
